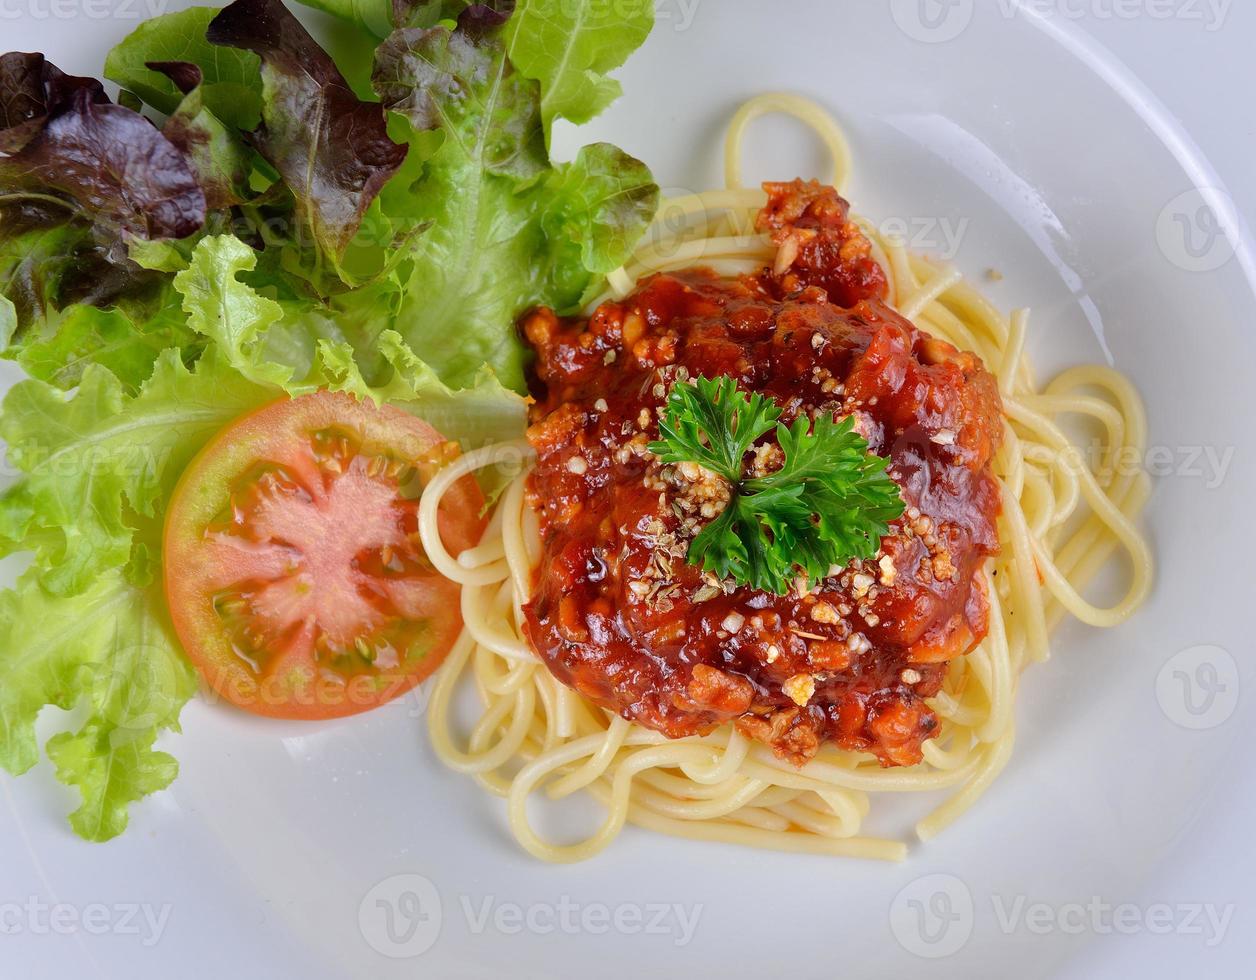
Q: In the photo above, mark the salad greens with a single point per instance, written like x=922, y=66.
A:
x=110, y=647
x=275, y=233
x=507, y=229
x=331, y=149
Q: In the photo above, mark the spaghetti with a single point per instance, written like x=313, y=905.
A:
x=1063, y=519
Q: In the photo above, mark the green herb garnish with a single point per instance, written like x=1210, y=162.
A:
x=829, y=502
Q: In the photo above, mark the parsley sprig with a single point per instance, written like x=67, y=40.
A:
x=829, y=502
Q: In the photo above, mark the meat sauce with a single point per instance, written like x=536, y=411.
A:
x=619, y=615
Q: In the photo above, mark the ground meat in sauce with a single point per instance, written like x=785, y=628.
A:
x=618, y=614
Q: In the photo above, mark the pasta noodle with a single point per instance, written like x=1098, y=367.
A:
x=1064, y=518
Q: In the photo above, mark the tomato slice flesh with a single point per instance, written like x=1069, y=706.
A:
x=295, y=573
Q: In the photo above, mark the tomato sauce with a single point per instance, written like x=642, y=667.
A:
x=619, y=615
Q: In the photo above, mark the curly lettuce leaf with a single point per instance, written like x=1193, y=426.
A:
x=111, y=649
x=232, y=77
x=226, y=310
x=594, y=211
x=570, y=47
x=90, y=459
x=472, y=267
x=258, y=338
x=227, y=297
x=481, y=414
x=86, y=625
x=126, y=338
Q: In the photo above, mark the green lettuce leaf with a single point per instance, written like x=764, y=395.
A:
x=90, y=459
x=87, y=625
x=483, y=413
x=594, y=212
x=506, y=230
x=258, y=339
x=472, y=267
x=226, y=310
x=232, y=77
x=380, y=17
x=569, y=48
x=126, y=338
x=356, y=318
x=111, y=649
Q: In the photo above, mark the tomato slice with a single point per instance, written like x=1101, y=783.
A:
x=294, y=571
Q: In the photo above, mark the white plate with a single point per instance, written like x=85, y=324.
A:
x=291, y=850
